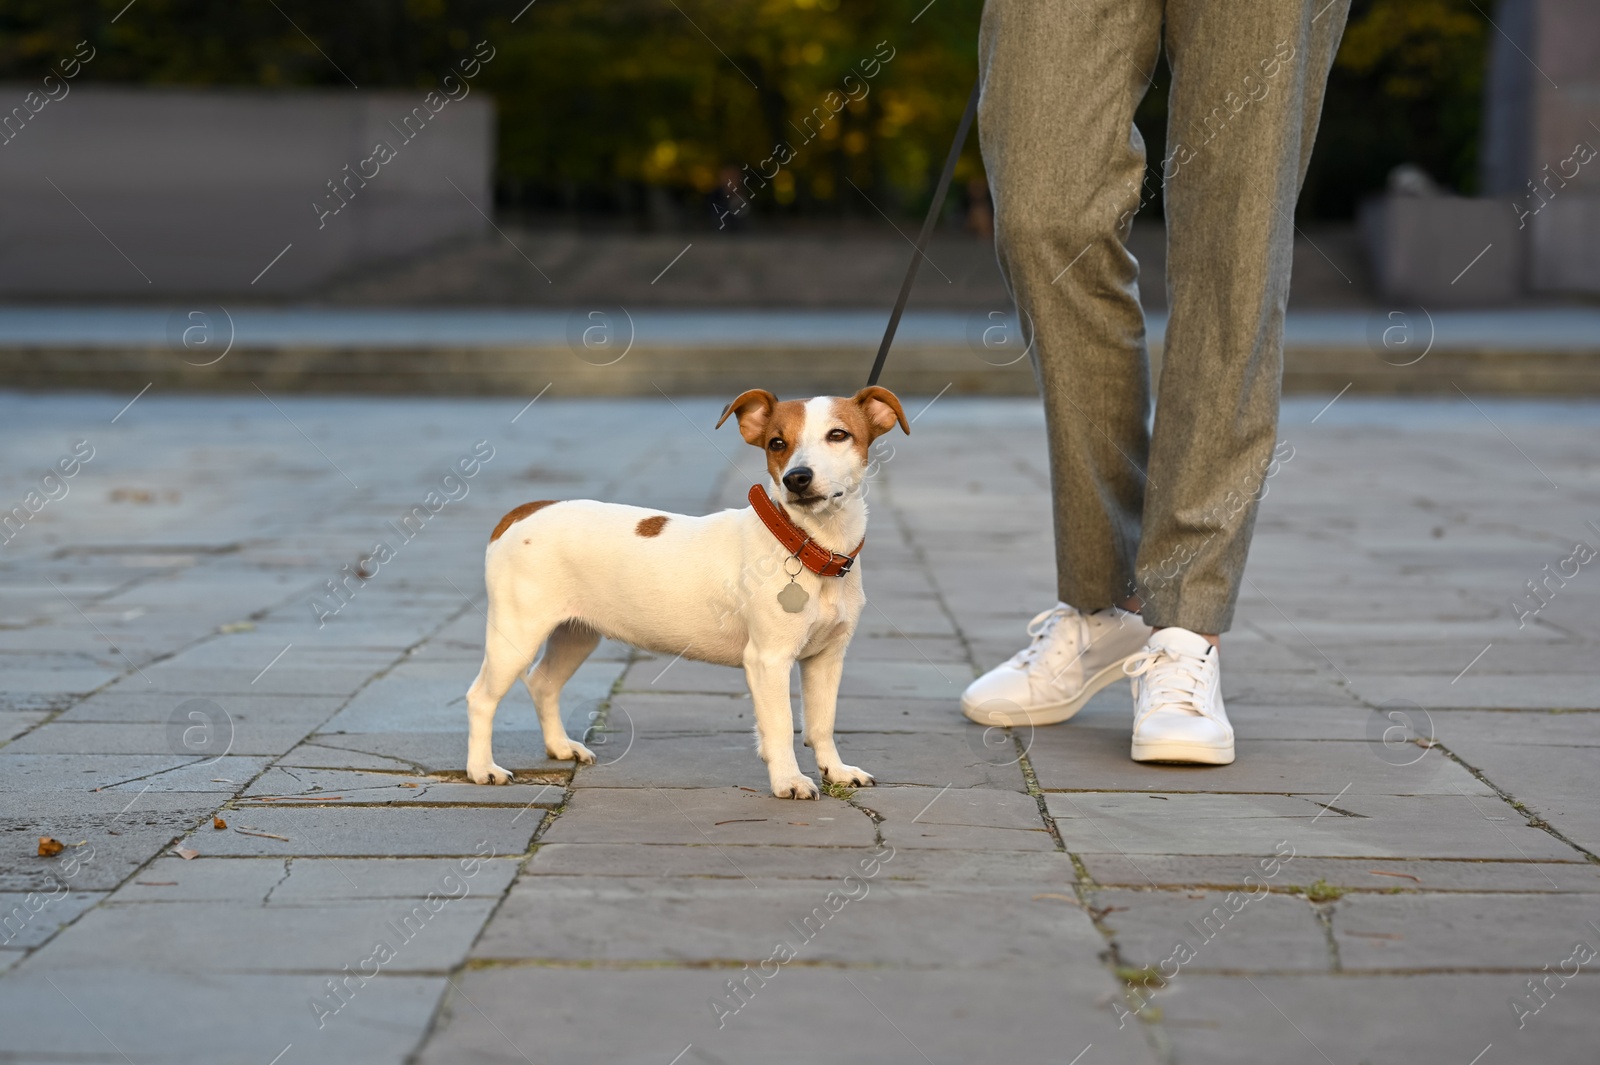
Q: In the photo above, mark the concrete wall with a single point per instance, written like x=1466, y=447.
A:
x=1443, y=251
x=1542, y=102
x=1565, y=239
x=1538, y=215
x=122, y=192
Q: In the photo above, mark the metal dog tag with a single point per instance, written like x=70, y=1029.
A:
x=793, y=598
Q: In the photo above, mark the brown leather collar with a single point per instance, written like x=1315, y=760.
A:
x=812, y=555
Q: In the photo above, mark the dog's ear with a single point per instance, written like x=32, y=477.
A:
x=753, y=409
x=883, y=410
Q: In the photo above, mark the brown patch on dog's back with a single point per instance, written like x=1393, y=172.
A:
x=787, y=422
x=651, y=526
x=516, y=514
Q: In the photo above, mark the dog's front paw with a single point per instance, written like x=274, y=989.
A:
x=491, y=774
x=850, y=775
x=574, y=751
x=798, y=786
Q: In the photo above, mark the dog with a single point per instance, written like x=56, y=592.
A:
x=760, y=588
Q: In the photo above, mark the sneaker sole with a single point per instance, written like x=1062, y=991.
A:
x=1183, y=753
x=1052, y=713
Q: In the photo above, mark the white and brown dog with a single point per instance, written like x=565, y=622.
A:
x=761, y=588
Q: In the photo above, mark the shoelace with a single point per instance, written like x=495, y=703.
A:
x=1174, y=678
x=1040, y=628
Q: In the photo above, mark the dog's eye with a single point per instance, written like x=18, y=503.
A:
x=776, y=444
x=837, y=435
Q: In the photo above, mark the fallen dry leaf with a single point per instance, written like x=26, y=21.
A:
x=188, y=854
x=218, y=823
x=237, y=626
x=411, y=785
x=49, y=847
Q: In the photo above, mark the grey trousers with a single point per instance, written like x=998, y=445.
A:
x=1166, y=512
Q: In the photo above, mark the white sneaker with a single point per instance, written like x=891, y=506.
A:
x=1073, y=655
x=1177, y=701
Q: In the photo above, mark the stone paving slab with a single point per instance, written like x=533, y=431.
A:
x=1463, y=931
x=1427, y=826
x=303, y=881
x=30, y=918
x=798, y=863
x=647, y=713
x=192, y=1017
x=713, y=815
x=248, y=735
x=855, y=921
x=1529, y=653
x=149, y=707
x=1473, y=730
x=424, y=935
x=1386, y=875
x=1066, y=758
x=373, y=831
x=422, y=752
x=955, y=818
x=1552, y=783
x=1112, y=710
x=170, y=678
x=1193, y=931
x=894, y=1017
x=353, y=787
x=14, y=723
x=1214, y=1020
x=1555, y=690
x=688, y=760
x=430, y=696
x=110, y=772
x=862, y=680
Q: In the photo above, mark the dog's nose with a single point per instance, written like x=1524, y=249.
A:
x=798, y=479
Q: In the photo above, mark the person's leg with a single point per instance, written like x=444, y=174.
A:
x=1066, y=168
x=1247, y=83
x=1248, y=80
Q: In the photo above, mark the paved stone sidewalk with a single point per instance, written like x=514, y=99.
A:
x=1341, y=893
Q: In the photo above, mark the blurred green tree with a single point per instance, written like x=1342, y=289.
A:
x=603, y=101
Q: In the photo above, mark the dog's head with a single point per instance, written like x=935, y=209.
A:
x=816, y=448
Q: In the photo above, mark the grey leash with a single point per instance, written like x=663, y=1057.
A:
x=927, y=230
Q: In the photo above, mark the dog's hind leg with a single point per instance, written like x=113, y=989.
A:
x=564, y=652
x=510, y=642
